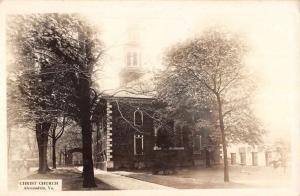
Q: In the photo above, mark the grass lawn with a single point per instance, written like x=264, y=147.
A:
x=204, y=178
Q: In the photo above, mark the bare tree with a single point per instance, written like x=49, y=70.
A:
x=210, y=70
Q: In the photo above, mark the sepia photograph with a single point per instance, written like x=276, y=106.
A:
x=112, y=96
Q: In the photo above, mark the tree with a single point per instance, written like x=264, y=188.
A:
x=42, y=85
x=55, y=136
x=61, y=51
x=183, y=102
x=210, y=71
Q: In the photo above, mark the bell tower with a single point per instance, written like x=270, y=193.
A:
x=132, y=65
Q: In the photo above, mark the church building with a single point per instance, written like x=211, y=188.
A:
x=129, y=135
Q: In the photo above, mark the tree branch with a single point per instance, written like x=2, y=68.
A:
x=126, y=119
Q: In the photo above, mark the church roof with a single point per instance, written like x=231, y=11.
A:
x=141, y=88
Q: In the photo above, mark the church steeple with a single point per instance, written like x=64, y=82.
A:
x=132, y=68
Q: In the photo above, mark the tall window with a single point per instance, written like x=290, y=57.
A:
x=138, y=117
x=254, y=159
x=132, y=59
x=155, y=137
x=178, y=140
x=243, y=158
x=138, y=144
x=134, y=63
x=268, y=157
x=197, y=144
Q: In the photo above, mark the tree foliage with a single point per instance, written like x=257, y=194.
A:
x=54, y=56
x=208, y=74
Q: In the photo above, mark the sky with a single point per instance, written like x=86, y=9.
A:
x=270, y=28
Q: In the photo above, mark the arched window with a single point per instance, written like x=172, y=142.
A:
x=138, y=117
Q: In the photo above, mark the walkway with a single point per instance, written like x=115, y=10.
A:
x=125, y=183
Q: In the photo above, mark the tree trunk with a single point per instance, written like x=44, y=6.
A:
x=60, y=163
x=42, y=130
x=53, y=153
x=65, y=156
x=207, y=158
x=221, y=120
x=97, y=143
x=54, y=139
x=86, y=131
